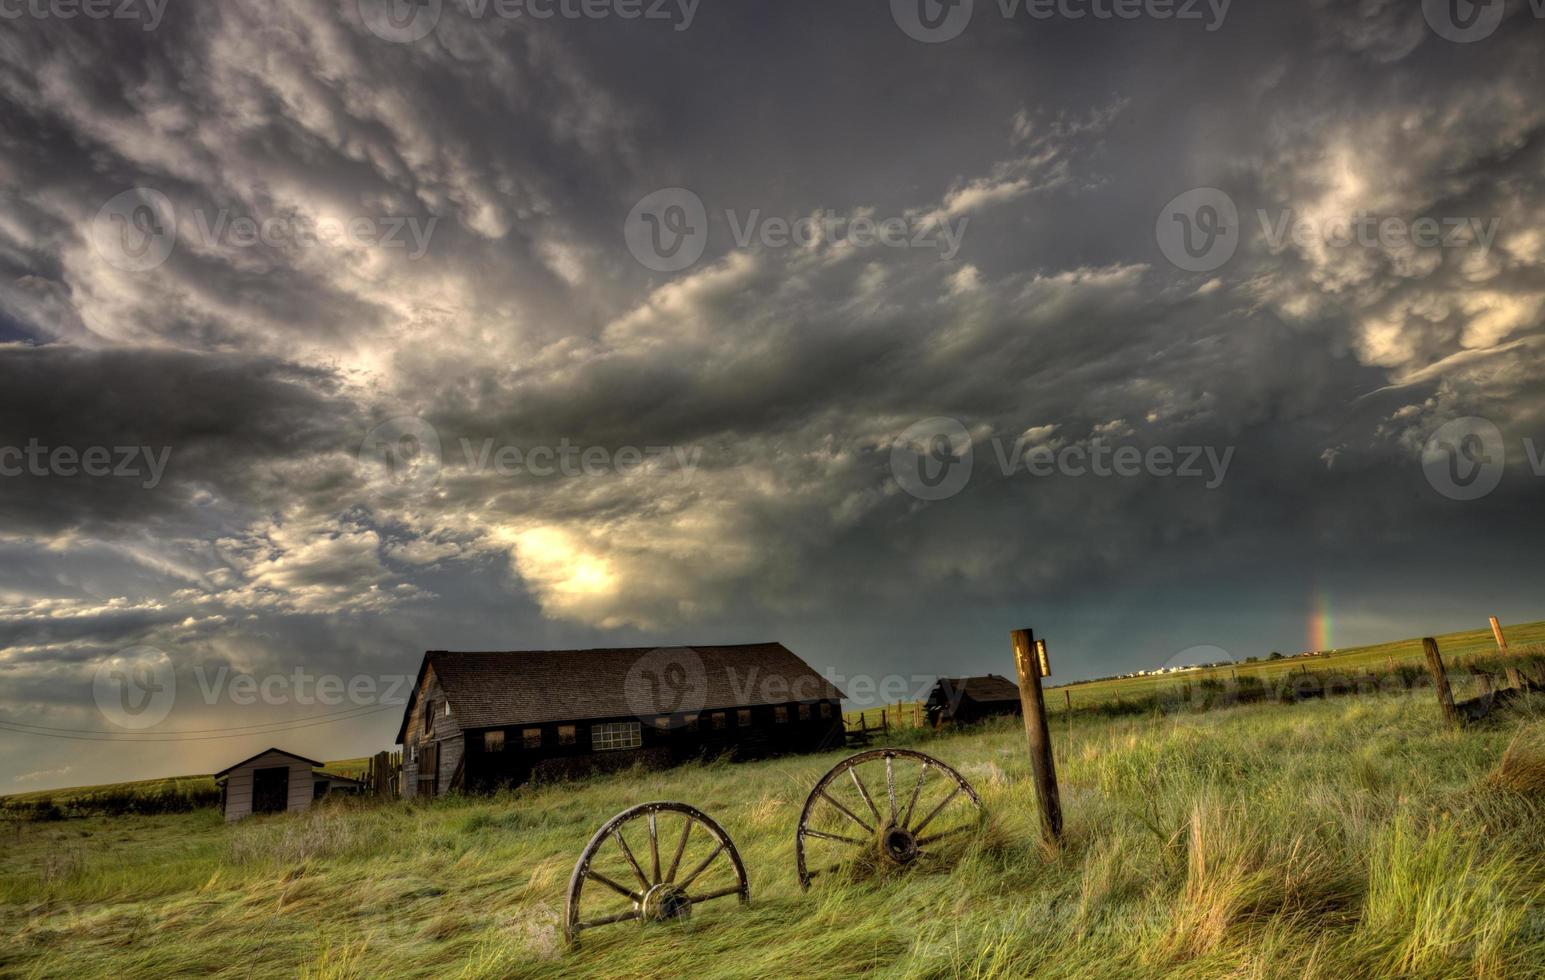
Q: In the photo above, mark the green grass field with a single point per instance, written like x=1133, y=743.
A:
x=1457, y=648
x=1341, y=838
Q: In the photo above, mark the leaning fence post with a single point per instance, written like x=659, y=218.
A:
x=1496, y=630
x=1440, y=680
x=1028, y=662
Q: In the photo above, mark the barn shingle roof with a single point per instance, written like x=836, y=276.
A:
x=980, y=689
x=491, y=690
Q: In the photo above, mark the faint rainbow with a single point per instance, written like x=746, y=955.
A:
x=1321, y=626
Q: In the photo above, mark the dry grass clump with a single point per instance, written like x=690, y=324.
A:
x=1521, y=769
x=318, y=833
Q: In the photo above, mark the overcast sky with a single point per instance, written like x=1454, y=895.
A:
x=466, y=330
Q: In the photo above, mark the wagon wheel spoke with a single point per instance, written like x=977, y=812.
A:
x=864, y=792
x=846, y=812
x=890, y=785
x=823, y=835
x=689, y=879
x=721, y=893
x=597, y=876
x=627, y=852
x=917, y=790
x=654, y=850
x=681, y=848
x=607, y=920
x=924, y=841
x=937, y=810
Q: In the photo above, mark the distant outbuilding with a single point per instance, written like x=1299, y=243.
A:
x=276, y=781
x=968, y=699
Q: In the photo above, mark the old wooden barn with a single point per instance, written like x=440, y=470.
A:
x=968, y=699
x=478, y=721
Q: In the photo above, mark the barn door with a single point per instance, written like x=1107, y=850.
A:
x=271, y=790
x=429, y=769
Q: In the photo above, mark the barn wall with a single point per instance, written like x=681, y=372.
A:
x=442, y=729
x=675, y=743
x=238, y=785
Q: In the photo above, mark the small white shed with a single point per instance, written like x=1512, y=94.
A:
x=274, y=781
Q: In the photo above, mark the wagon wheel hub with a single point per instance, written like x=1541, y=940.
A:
x=899, y=844
x=664, y=902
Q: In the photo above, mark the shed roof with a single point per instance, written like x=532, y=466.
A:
x=299, y=758
x=980, y=689
x=491, y=690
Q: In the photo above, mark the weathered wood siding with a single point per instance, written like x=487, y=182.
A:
x=442, y=729
x=238, y=785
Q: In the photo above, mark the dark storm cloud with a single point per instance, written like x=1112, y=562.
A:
x=783, y=374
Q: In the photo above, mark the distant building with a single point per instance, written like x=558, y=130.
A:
x=968, y=699
x=478, y=721
x=276, y=781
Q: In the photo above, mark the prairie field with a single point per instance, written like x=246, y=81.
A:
x=1332, y=838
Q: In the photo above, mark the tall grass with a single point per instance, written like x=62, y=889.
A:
x=1340, y=838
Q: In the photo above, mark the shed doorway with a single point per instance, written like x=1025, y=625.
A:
x=271, y=790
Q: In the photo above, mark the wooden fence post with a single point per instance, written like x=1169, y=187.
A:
x=1032, y=700
x=1440, y=680
x=1496, y=630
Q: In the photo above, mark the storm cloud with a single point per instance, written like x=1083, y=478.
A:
x=379, y=301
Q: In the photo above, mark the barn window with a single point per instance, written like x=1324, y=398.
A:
x=493, y=741
x=662, y=723
x=531, y=738
x=691, y=722
x=616, y=735
x=781, y=714
x=804, y=712
x=826, y=709
x=718, y=720
x=566, y=735
x=743, y=717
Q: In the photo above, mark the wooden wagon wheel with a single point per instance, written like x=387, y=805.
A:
x=664, y=892
x=899, y=833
